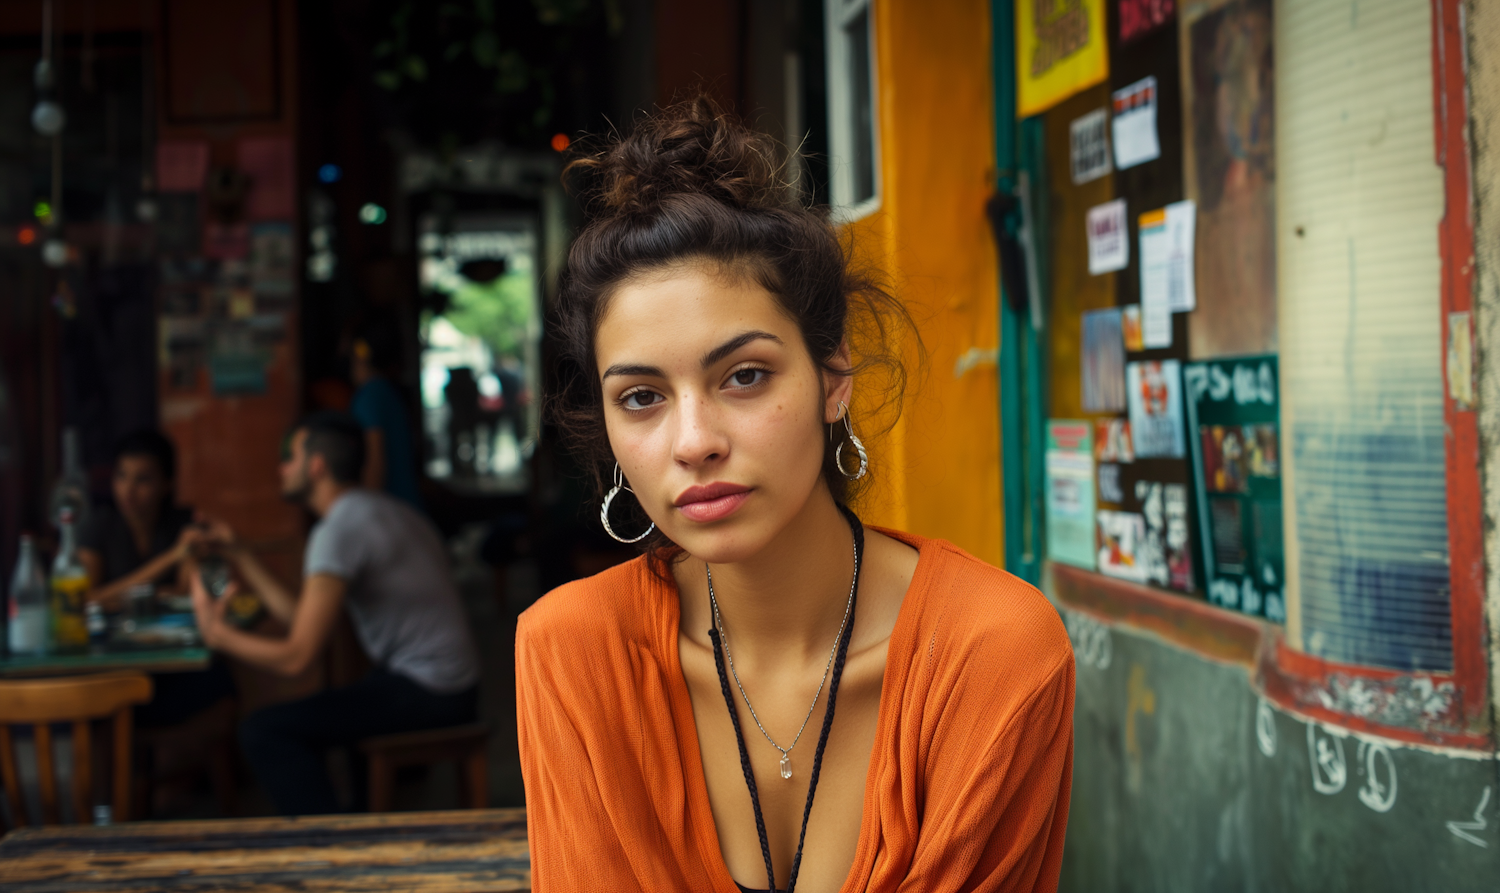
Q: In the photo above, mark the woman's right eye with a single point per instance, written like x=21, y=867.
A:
x=640, y=399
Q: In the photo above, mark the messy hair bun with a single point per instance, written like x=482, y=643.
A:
x=694, y=182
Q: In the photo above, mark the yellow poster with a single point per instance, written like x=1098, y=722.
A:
x=1060, y=49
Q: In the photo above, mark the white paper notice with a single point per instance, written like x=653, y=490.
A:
x=1135, y=124
x=1166, y=269
x=1109, y=238
x=1089, y=146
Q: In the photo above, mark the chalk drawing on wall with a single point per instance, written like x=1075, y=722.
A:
x=1461, y=829
x=1325, y=752
x=1092, y=646
x=1378, y=794
x=1265, y=728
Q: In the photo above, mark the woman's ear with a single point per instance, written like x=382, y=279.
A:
x=838, y=386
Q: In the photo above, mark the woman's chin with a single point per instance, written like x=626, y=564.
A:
x=723, y=543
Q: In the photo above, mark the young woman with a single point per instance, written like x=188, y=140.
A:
x=774, y=696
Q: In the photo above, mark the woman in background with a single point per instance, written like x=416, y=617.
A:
x=144, y=537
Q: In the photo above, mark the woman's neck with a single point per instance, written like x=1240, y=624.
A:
x=142, y=528
x=788, y=601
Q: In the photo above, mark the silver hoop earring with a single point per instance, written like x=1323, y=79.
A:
x=838, y=453
x=610, y=497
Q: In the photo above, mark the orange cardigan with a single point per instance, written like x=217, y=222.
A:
x=968, y=785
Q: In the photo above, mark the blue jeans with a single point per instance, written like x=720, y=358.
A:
x=287, y=744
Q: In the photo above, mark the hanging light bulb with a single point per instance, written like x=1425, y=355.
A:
x=55, y=253
x=48, y=118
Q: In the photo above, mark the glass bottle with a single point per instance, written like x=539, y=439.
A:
x=27, y=611
x=70, y=586
x=71, y=492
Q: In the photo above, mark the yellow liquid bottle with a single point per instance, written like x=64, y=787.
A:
x=69, y=591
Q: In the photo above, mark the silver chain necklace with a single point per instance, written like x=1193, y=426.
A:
x=786, y=752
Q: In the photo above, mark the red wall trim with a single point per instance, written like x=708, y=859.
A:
x=1418, y=708
x=1456, y=245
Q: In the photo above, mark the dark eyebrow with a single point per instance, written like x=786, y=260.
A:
x=710, y=358
x=734, y=344
x=631, y=370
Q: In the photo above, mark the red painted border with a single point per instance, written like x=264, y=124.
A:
x=1456, y=247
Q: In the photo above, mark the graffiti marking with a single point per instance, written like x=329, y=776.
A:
x=1379, y=797
x=1265, y=728
x=1461, y=829
x=1326, y=754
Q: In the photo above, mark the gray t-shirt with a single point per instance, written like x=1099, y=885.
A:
x=400, y=592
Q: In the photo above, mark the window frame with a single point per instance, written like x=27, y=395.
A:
x=841, y=109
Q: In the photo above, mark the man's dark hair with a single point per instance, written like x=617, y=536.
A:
x=340, y=440
x=153, y=443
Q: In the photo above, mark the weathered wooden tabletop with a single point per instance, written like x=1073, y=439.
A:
x=463, y=850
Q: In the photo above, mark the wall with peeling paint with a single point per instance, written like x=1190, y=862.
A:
x=1483, y=19
x=1185, y=779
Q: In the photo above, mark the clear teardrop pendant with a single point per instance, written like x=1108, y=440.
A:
x=786, y=765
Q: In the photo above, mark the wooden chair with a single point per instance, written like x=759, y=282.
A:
x=464, y=745
x=77, y=700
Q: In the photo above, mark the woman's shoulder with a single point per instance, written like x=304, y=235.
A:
x=986, y=614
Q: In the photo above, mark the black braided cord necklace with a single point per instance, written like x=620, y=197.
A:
x=833, y=690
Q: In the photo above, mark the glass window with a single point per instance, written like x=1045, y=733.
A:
x=854, y=162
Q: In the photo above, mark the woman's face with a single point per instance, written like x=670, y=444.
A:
x=714, y=408
x=140, y=488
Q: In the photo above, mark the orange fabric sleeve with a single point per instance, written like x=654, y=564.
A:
x=996, y=804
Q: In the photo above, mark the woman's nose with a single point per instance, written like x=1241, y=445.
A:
x=699, y=437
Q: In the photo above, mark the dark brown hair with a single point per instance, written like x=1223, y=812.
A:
x=693, y=183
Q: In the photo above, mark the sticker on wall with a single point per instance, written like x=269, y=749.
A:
x=1135, y=124
x=1059, y=52
x=1070, y=493
x=1130, y=326
x=1140, y=17
x=1103, y=358
x=1089, y=147
x=1109, y=237
x=1154, y=390
x=1121, y=535
x=1109, y=484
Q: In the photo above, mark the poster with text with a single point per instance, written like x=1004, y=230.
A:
x=1103, y=361
x=1154, y=392
x=1088, y=147
x=1233, y=418
x=1070, y=493
x=1061, y=48
x=1140, y=17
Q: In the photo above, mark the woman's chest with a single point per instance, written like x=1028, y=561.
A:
x=780, y=709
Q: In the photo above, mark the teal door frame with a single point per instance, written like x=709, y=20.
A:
x=1020, y=158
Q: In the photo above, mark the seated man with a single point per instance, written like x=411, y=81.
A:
x=383, y=560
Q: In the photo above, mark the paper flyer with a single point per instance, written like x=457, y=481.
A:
x=1135, y=124
x=1154, y=391
x=1121, y=536
x=1089, y=147
x=1166, y=270
x=1109, y=237
x=1070, y=493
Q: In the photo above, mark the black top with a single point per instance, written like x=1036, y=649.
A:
x=107, y=533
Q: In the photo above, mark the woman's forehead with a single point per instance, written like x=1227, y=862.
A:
x=685, y=309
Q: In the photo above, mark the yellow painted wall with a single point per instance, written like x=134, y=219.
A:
x=940, y=466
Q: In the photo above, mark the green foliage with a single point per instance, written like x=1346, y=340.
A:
x=498, y=313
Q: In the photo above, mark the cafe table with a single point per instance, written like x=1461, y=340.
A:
x=421, y=852
x=179, y=653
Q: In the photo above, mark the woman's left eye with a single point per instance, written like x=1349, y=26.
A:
x=748, y=377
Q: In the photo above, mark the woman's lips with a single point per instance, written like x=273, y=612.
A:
x=713, y=502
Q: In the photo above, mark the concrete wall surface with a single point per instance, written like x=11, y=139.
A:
x=1184, y=779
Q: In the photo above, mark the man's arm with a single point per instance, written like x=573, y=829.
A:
x=275, y=596
x=374, y=476
x=311, y=624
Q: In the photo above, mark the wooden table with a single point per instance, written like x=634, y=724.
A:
x=159, y=660
x=463, y=850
